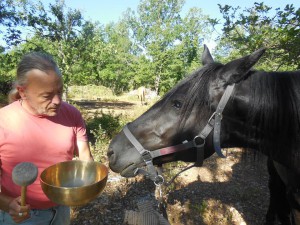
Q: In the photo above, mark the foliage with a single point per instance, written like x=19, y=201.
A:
x=154, y=46
x=8, y=64
x=5, y=84
x=12, y=19
x=168, y=42
x=100, y=129
x=103, y=126
x=200, y=208
x=259, y=26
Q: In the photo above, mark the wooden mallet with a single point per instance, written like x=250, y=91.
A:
x=24, y=174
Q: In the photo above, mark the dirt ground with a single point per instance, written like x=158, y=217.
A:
x=223, y=191
x=229, y=191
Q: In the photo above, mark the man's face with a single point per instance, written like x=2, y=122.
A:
x=42, y=94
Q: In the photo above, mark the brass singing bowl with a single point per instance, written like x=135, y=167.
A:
x=74, y=183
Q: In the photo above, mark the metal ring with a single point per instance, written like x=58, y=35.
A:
x=159, y=180
x=20, y=214
x=196, y=144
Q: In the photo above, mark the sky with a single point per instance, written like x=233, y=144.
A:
x=105, y=11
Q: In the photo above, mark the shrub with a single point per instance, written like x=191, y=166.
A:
x=5, y=84
x=103, y=126
x=101, y=129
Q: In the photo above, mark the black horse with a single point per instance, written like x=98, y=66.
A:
x=222, y=106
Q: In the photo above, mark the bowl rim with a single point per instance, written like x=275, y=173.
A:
x=70, y=162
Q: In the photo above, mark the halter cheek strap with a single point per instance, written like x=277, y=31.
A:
x=218, y=118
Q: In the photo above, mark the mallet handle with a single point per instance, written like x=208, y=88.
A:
x=23, y=195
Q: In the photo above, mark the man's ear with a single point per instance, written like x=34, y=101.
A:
x=21, y=90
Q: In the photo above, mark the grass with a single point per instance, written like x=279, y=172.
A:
x=103, y=125
x=200, y=208
x=94, y=92
x=89, y=92
x=213, y=212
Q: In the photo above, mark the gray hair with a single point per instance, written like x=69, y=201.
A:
x=30, y=61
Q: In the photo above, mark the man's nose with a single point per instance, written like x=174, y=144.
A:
x=56, y=99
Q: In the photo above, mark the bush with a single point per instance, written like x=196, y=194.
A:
x=101, y=129
x=5, y=84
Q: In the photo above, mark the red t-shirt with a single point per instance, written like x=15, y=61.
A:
x=43, y=141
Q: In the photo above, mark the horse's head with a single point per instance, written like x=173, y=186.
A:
x=181, y=115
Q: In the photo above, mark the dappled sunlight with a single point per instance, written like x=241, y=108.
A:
x=219, y=213
x=217, y=193
x=229, y=191
x=215, y=170
x=212, y=212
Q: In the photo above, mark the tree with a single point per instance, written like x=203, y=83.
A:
x=167, y=41
x=155, y=31
x=258, y=27
x=195, y=30
x=122, y=61
x=60, y=27
x=155, y=47
x=10, y=22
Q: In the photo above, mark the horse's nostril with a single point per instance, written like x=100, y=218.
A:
x=110, y=152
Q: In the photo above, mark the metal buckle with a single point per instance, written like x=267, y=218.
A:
x=147, y=156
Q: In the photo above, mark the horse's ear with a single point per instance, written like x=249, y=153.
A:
x=236, y=70
x=206, y=56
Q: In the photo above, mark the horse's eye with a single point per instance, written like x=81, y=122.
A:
x=177, y=104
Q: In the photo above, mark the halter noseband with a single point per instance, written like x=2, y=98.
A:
x=214, y=123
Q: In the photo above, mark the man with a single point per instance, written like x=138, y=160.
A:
x=37, y=127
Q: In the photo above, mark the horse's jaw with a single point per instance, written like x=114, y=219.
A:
x=128, y=171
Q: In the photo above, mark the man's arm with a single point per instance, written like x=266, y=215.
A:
x=4, y=202
x=84, y=151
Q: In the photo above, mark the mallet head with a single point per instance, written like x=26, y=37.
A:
x=24, y=174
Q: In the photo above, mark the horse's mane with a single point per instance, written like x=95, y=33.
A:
x=275, y=110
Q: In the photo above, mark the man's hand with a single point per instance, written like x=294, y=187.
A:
x=17, y=212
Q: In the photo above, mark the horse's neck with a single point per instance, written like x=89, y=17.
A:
x=238, y=132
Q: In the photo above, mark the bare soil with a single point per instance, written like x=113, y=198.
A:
x=224, y=191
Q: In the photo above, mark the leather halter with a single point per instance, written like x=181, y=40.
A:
x=214, y=123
